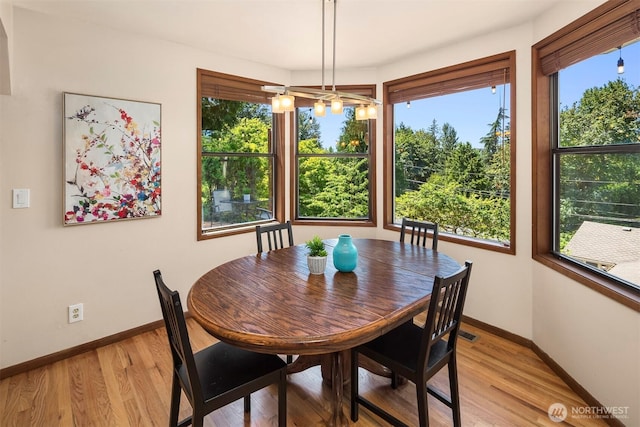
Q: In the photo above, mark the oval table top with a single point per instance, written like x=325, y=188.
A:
x=270, y=303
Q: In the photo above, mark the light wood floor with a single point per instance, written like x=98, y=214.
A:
x=128, y=384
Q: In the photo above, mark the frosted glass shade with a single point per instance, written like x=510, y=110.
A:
x=336, y=106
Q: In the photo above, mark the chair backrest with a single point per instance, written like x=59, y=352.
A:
x=420, y=232
x=221, y=201
x=445, y=311
x=178, y=335
x=274, y=235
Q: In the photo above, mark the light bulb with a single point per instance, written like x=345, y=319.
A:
x=361, y=113
x=372, y=111
x=319, y=108
x=276, y=105
x=620, y=61
x=336, y=106
x=287, y=102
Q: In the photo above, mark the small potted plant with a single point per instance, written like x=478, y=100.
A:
x=317, y=256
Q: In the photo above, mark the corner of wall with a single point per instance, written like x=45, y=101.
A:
x=6, y=19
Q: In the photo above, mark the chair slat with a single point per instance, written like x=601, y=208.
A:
x=420, y=231
x=419, y=353
x=274, y=236
x=208, y=384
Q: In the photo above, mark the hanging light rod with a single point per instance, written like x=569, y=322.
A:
x=285, y=95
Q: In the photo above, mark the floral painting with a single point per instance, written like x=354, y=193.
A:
x=112, y=159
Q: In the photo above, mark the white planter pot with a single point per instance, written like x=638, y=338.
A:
x=316, y=264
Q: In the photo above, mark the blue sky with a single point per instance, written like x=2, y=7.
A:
x=471, y=113
x=596, y=71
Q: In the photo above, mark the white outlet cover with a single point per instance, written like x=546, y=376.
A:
x=76, y=313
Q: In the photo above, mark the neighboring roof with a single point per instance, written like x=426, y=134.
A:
x=609, y=245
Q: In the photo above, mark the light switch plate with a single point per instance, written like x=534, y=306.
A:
x=21, y=198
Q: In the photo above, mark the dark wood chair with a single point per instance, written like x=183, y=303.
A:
x=419, y=353
x=274, y=235
x=219, y=374
x=275, y=240
x=420, y=231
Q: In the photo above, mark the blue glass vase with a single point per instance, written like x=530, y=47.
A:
x=345, y=254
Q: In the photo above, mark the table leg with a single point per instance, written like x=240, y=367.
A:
x=365, y=362
x=335, y=368
x=338, y=417
x=303, y=362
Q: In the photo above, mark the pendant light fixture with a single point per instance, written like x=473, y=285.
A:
x=284, y=100
x=620, y=62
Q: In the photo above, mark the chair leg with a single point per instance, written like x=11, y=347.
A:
x=198, y=418
x=247, y=403
x=175, y=401
x=282, y=399
x=354, y=386
x=453, y=388
x=289, y=358
x=423, y=407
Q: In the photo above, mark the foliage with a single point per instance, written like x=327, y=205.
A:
x=456, y=211
x=462, y=188
x=316, y=247
x=600, y=185
x=308, y=126
x=335, y=183
x=231, y=127
x=465, y=188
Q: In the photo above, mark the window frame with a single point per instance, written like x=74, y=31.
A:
x=431, y=82
x=227, y=86
x=575, y=38
x=364, y=90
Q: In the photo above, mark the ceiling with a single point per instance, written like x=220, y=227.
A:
x=288, y=33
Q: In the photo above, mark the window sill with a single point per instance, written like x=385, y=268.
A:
x=231, y=230
x=334, y=222
x=467, y=241
x=617, y=292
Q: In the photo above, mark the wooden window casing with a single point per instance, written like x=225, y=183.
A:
x=485, y=72
x=363, y=90
x=226, y=86
x=606, y=27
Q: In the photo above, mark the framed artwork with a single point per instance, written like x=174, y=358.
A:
x=111, y=159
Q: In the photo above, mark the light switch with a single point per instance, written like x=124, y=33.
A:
x=20, y=198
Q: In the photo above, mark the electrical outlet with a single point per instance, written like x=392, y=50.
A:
x=76, y=313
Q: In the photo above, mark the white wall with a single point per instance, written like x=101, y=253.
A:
x=105, y=266
x=503, y=298
x=46, y=267
x=595, y=339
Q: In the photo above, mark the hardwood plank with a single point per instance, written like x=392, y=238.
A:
x=127, y=383
x=89, y=398
x=117, y=386
x=60, y=406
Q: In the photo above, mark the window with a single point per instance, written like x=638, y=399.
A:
x=239, y=175
x=451, y=150
x=334, y=165
x=586, y=162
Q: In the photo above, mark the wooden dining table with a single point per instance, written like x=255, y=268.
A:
x=270, y=303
